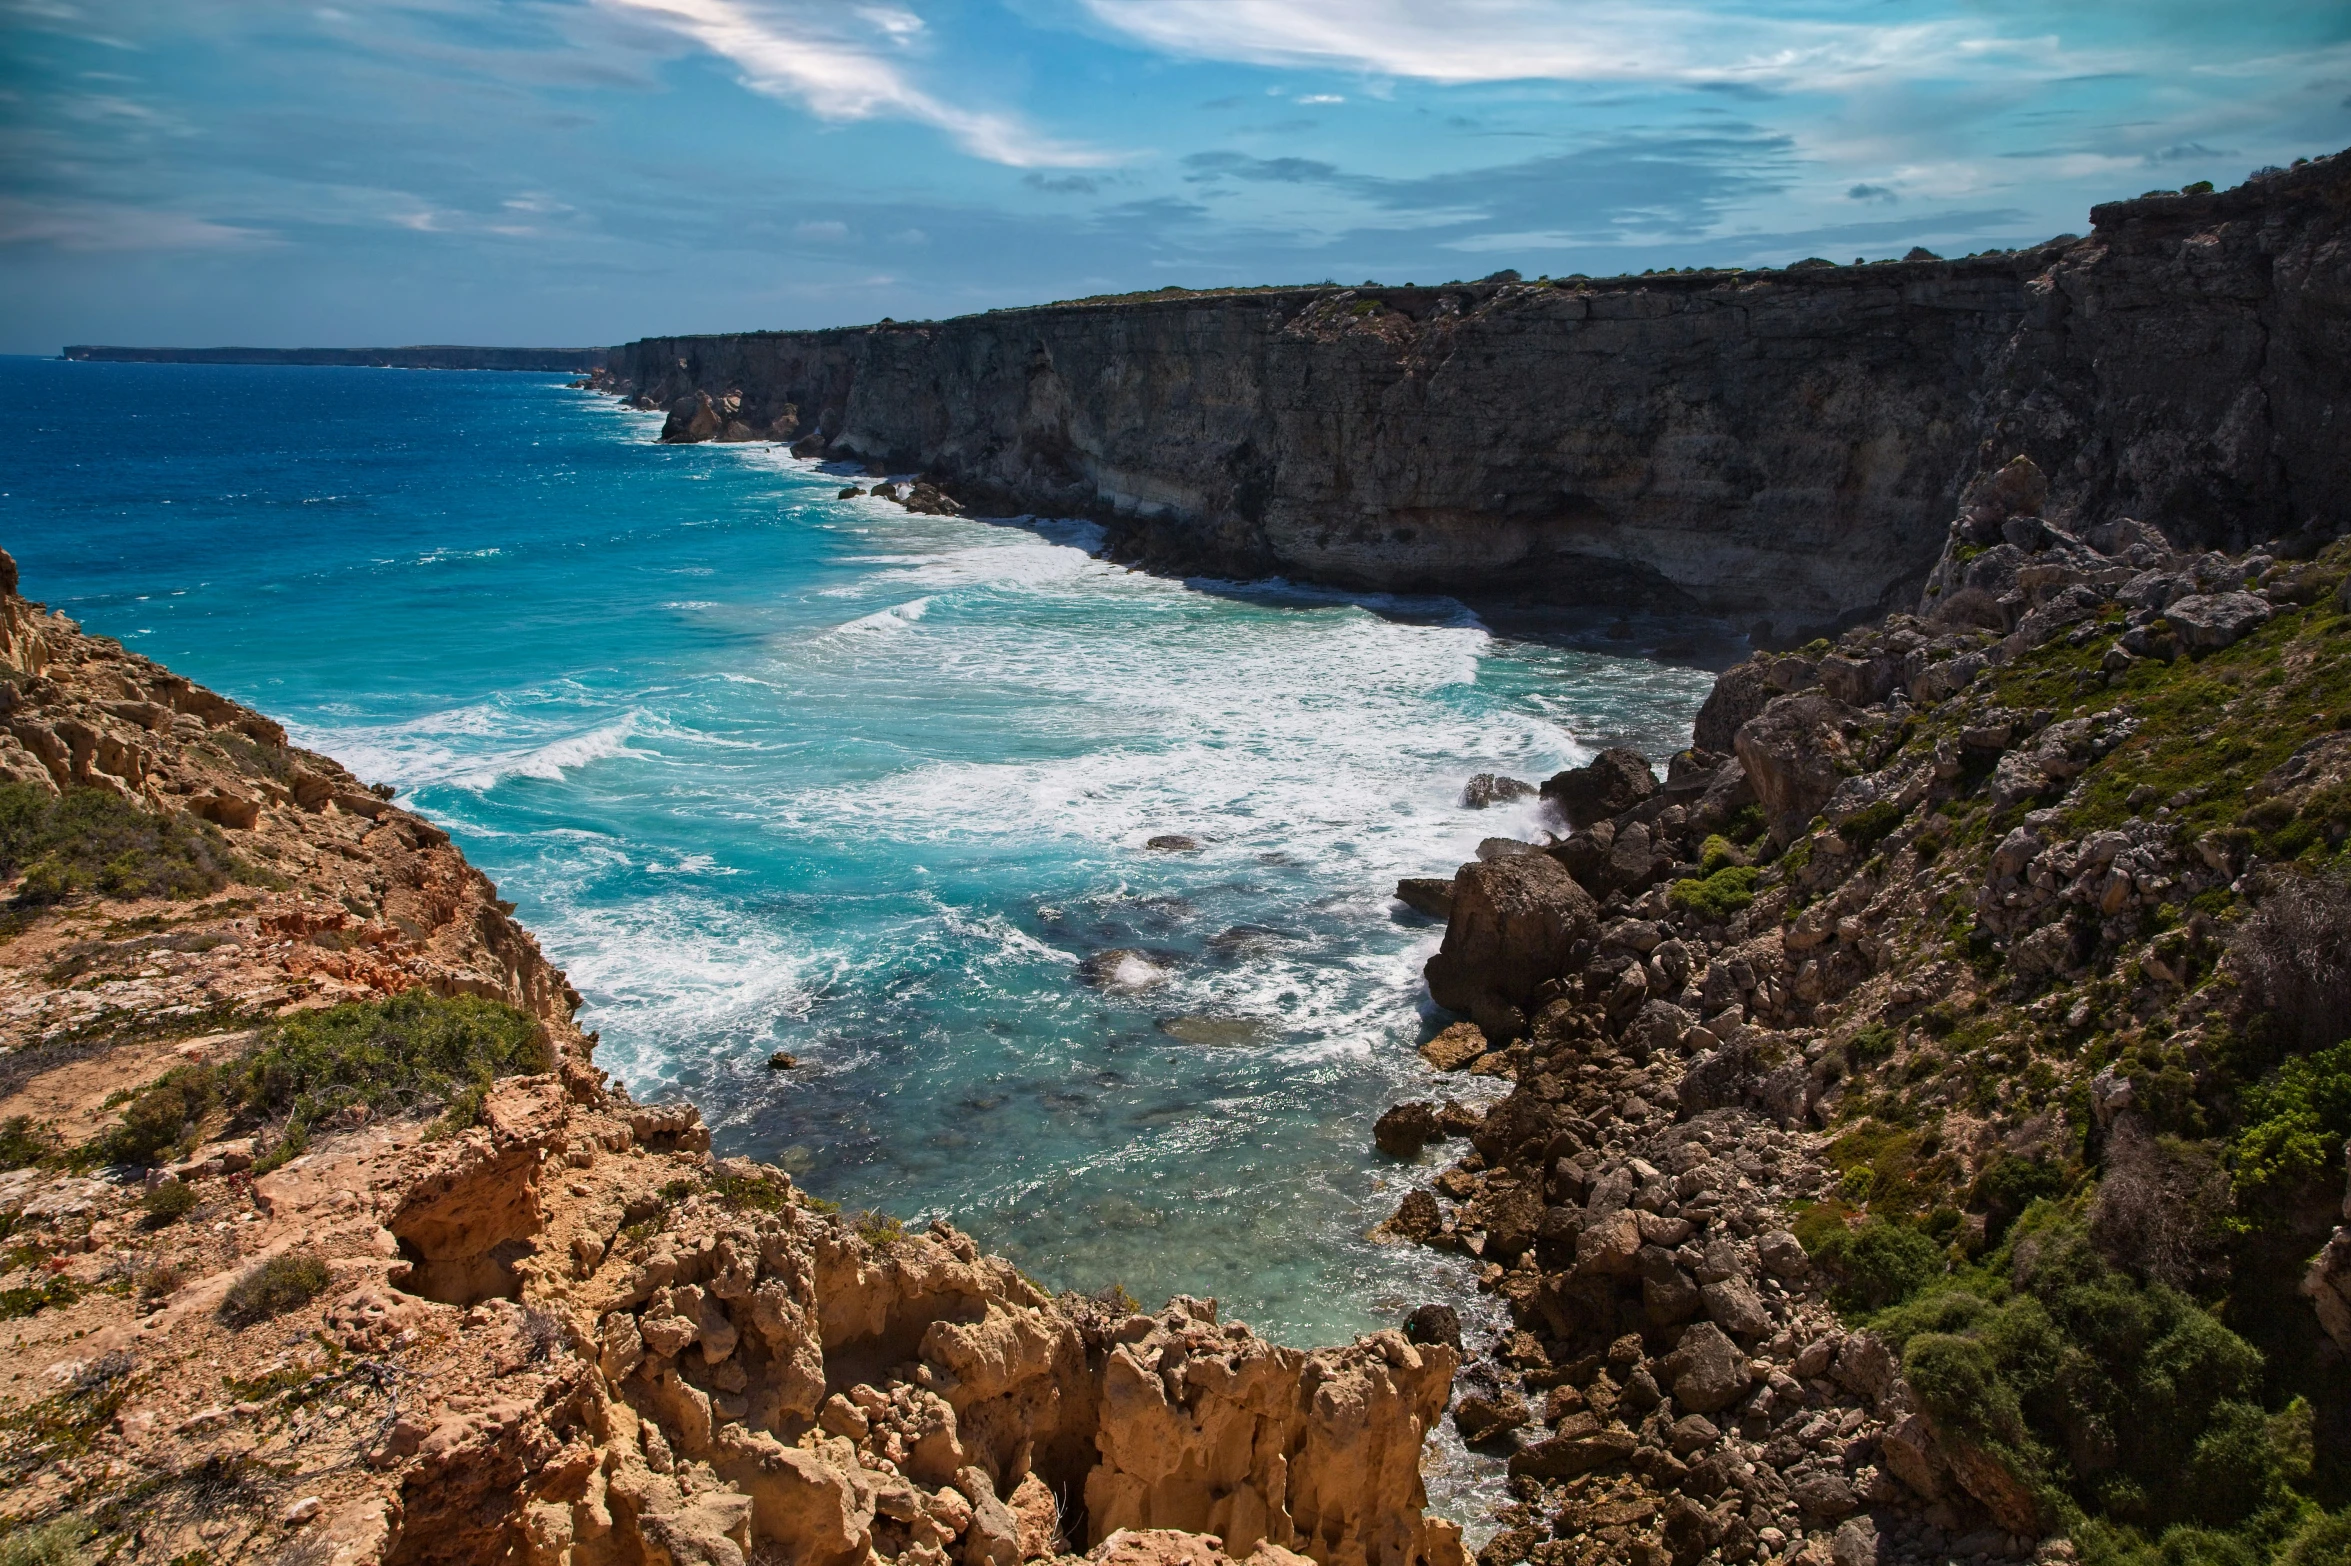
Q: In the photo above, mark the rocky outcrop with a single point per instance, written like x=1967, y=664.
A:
x=1780, y=447
x=562, y=1333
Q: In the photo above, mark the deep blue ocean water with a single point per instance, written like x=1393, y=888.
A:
x=769, y=770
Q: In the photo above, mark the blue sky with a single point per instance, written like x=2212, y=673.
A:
x=587, y=171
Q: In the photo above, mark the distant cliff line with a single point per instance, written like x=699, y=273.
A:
x=1781, y=447
x=573, y=361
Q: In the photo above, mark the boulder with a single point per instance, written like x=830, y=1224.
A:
x=1795, y=755
x=1491, y=788
x=1434, y=1324
x=1610, y=783
x=1733, y=1306
x=1172, y=843
x=1577, y=1449
x=1706, y=1371
x=1419, y=1219
x=1426, y=894
x=2208, y=622
x=1454, y=1048
x=1482, y=1417
x=1406, y=1128
x=1739, y=693
x=1514, y=926
x=2019, y=489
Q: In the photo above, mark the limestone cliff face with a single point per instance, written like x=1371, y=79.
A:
x=1781, y=447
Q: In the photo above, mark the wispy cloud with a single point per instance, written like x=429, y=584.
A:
x=800, y=54
x=100, y=226
x=1519, y=40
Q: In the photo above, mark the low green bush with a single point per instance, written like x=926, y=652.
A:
x=391, y=1054
x=407, y=1052
x=25, y=1142
x=168, y=1203
x=2121, y=1398
x=1866, y=830
x=2296, y=1120
x=285, y=1282
x=1879, y=1264
x=92, y=839
x=1719, y=853
x=56, y=1543
x=1719, y=895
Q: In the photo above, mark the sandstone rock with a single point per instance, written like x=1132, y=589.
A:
x=1865, y=1366
x=1612, y=782
x=1740, y=693
x=1480, y=1417
x=1417, y=1218
x=1455, y=1047
x=2209, y=622
x=1513, y=927
x=1579, y=1448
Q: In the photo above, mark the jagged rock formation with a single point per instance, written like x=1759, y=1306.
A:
x=563, y=1333
x=1780, y=447
x=2034, y=894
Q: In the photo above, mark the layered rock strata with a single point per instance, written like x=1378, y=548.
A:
x=564, y=1334
x=1781, y=447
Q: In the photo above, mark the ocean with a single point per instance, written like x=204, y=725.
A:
x=769, y=770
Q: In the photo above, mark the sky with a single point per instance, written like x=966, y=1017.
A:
x=582, y=172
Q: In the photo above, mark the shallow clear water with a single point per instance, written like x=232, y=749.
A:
x=767, y=770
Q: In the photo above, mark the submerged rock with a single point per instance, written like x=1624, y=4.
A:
x=1491, y=788
x=1122, y=968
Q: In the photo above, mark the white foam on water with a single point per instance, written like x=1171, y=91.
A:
x=895, y=618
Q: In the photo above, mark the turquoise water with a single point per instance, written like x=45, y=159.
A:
x=767, y=770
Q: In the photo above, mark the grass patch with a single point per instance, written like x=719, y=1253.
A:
x=92, y=839
x=285, y=1282
x=57, y=1543
x=33, y=1298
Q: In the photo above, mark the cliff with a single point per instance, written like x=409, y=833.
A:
x=568, y=360
x=1779, y=447
x=324, y=1240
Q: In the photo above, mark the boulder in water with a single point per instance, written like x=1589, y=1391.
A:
x=1491, y=788
x=1610, y=783
x=1514, y=926
x=1173, y=843
x=1215, y=1032
x=1122, y=968
x=1427, y=895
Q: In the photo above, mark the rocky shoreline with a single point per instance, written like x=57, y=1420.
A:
x=1894, y=959
x=261, y=1306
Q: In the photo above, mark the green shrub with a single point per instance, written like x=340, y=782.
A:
x=166, y=1116
x=168, y=1203
x=1719, y=895
x=1864, y=831
x=875, y=1227
x=33, y=1298
x=2325, y=1540
x=285, y=1282
x=1746, y=825
x=92, y=839
x=411, y=1050
x=391, y=1054
x=1719, y=853
x=2125, y=1396
x=1877, y=1265
x=25, y=1142
x=2296, y=1120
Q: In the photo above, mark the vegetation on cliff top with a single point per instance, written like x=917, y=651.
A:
x=92, y=839
x=407, y=1052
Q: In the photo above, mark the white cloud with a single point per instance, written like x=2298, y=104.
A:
x=829, y=231
x=1322, y=97
x=794, y=54
x=1518, y=40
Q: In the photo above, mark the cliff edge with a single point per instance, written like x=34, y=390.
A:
x=1779, y=447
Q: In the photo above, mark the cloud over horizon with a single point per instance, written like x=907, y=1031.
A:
x=284, y=171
